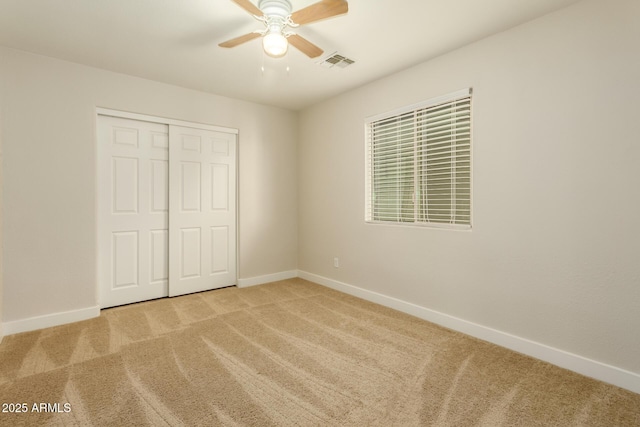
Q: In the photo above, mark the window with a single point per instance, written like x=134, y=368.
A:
x=418, y=169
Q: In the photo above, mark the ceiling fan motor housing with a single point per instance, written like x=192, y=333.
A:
x=276, y=15
x=275, y=8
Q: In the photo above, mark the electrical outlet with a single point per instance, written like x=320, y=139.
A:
x=336, y=262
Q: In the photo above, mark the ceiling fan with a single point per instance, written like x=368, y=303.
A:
x=277, y=18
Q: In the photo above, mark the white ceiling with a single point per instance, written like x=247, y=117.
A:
x=176, y=41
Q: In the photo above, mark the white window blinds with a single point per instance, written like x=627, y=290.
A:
x=419, y=163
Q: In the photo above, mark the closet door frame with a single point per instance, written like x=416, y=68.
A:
x=169, y=122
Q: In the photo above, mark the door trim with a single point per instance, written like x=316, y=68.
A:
x=162, y=120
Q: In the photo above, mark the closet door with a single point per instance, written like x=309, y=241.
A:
x=202, y=221
x=133, y=205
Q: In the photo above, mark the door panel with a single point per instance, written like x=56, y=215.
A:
x=190, y=253
x=190, y=187
x=125, y=259
x=125, y=185
x=133, y=210
x=159, y=186
x=159, y=256
x=219, y=187
x=219, y=249
x=202, y=169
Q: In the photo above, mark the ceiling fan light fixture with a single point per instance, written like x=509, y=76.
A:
x=277, y=18
x=275, y=44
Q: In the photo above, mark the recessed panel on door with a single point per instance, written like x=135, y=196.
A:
x=159, y=255
x=125, y=259
x=219, y=249
x=219, y=187
x=125, y=136
x=159, y=186
x=191, y=143
x=124, y=187
x=190, y=186
x=190, y=252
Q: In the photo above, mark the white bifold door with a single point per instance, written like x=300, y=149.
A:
x=166, y=210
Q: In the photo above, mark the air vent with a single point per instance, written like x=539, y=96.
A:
x=336, y=60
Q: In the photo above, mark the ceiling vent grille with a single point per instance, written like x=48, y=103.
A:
x=336, y=60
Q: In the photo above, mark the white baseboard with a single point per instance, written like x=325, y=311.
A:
x=259, y=280
x=55, y=319
x=573, y=362
x=46, y=321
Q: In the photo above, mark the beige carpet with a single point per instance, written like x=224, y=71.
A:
x=289, y=353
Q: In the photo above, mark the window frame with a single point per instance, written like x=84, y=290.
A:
x=369, y=178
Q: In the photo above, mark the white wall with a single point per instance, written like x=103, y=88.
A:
x=49, y=222
x=553, y=256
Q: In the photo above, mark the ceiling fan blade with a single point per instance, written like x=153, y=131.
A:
x=249, y=7
x=321, y=10
x=304, y=46
x=239, y=40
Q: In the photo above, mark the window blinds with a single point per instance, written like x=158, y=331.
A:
x=419, y=163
